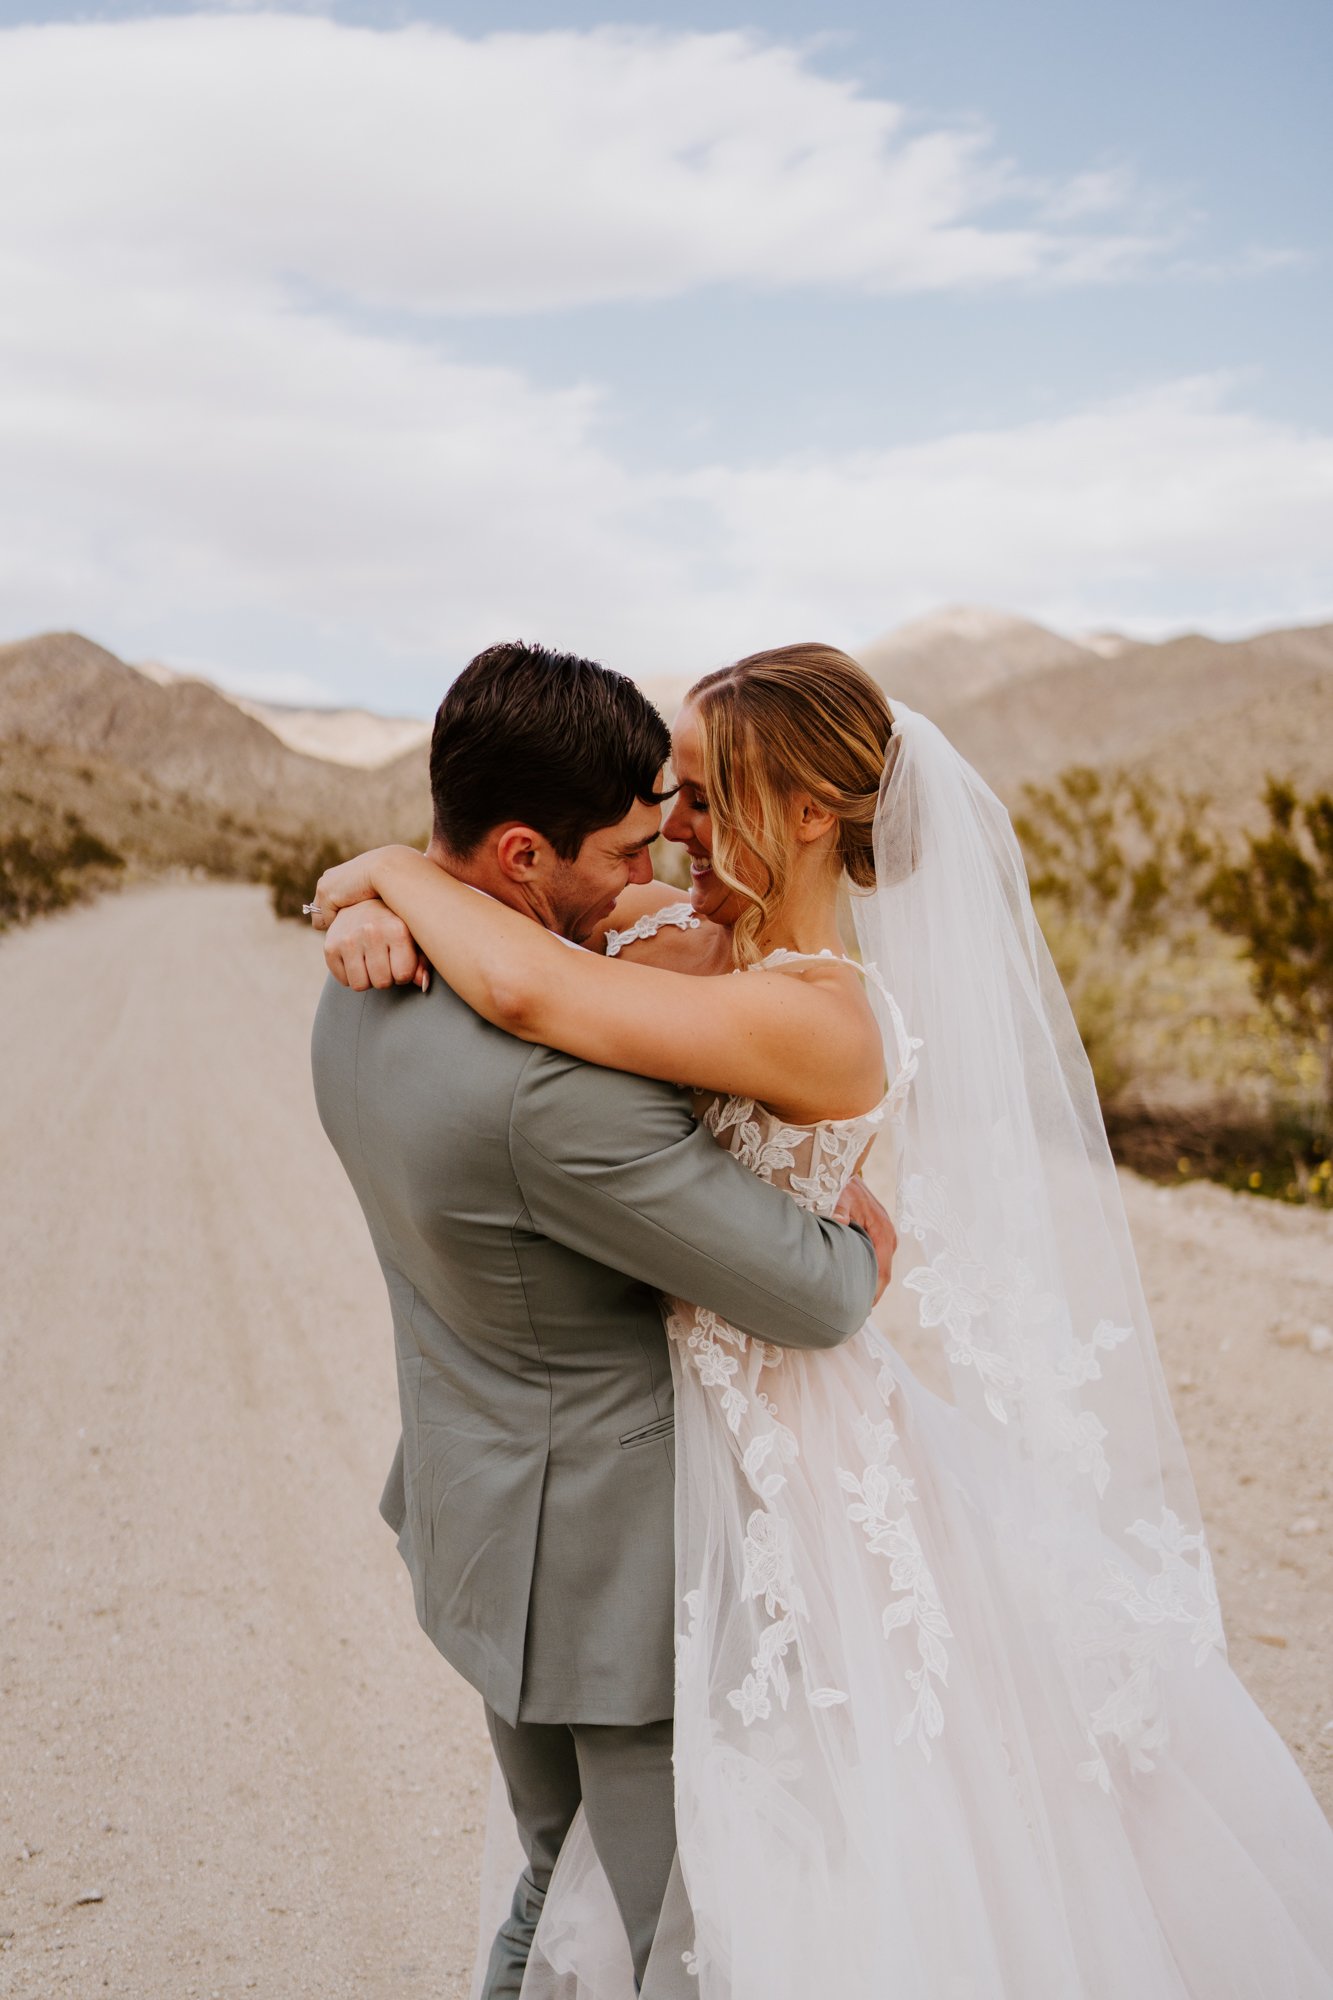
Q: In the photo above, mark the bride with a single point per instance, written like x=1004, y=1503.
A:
x=954, y=1717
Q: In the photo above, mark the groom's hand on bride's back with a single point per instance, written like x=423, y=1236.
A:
x=857, y=1204
x=367, y=945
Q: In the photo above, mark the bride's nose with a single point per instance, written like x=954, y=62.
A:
x=676, y=825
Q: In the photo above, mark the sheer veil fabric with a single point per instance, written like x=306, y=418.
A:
x=954, y=1715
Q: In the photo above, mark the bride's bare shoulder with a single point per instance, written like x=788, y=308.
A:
x=849, y=1029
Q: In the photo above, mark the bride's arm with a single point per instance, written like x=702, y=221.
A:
x=807, y=1045
x=368, y=944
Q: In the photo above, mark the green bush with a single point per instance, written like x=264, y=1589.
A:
x=1277, y=898
x=1114, y=852
x=1115, y=866
x=1199, y=965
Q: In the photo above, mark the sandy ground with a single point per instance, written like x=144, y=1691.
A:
x=218, y=1718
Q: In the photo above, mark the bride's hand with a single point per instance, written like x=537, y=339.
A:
x=857, y=1204
x=349, y=882
x=367, y=945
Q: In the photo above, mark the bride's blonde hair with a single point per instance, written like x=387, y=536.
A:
x=796, y=719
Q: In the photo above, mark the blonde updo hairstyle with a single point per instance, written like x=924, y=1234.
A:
x=797, y=719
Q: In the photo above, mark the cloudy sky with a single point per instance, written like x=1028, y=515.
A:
x=336, y=342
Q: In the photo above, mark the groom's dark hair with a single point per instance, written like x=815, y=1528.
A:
x=561, y=743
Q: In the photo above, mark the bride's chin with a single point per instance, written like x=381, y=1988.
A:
x=712, y=907
x=703, y=893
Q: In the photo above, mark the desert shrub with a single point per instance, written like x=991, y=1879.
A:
x=84, y=849
x=1115, y=866
x=1277, y=898
x=38, y=875
x=1114, y=852
x=1199, y=964
x=30, y=881
x=293, y=875
x=1276, y=1154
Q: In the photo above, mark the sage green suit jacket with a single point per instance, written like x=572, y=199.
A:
x=527, y=1210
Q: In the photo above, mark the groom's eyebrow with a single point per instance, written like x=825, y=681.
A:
x=637, y=846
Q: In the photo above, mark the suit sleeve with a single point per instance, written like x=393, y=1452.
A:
x=615, y=1167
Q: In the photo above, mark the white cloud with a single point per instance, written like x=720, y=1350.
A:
x=210, y=456
x=193, y=432
x=427, y=172
x=210, y=452
x=1138, y=509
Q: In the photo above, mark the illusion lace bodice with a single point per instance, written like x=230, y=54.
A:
x=813, y=1163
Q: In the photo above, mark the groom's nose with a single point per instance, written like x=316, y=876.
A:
x=641, y=866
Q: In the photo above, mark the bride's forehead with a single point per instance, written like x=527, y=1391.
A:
x=686, y=747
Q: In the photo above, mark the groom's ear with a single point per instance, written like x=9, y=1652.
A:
x=521, y=853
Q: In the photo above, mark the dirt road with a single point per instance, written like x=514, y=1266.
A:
x=219, y=1713
x=218, y=1717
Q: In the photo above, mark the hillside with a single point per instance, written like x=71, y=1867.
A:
x=1020, y=700
x=168, y=770
x=951, y=658
x=194, y=749
x=356, y=736
x=1194, y=712
x=353, y=736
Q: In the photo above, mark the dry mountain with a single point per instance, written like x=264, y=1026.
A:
x=1195, y=713
x=945, y=661
x=167, y=768
x=63, y=696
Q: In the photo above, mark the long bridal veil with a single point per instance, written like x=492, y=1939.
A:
x=1023, y=1262
x=954, y=1716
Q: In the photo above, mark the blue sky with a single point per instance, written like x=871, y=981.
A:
x=342, y=341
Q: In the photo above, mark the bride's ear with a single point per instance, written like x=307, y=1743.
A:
x=811, y=820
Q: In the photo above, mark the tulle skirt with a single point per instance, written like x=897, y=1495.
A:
x=884, y=1790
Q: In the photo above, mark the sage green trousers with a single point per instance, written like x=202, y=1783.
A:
x=622, y=1776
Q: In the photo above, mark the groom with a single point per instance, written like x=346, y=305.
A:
x=527, y=1209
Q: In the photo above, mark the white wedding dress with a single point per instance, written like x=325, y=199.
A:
x=887, y=1785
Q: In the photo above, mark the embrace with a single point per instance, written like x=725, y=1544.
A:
x=805, y=1680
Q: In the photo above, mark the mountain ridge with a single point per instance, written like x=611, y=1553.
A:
x=146, y=759
x=62, y=690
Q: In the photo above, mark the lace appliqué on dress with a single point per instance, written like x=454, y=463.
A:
x=991, y=1312
x=813, y=1163
x=1109, y=1622
x=679, y=915
x=882, y=1487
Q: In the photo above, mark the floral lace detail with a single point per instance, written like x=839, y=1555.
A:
x=880, y=1487
x=649, y=924
x=1118, y=1665
x=999, y=1324
x=1111, y=1623
x=773, y=1151
x=813, y=1163
x=770, y=1574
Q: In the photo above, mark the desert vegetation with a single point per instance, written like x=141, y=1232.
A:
x=1198, y=958
x=291, y=876
x=45, y=873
